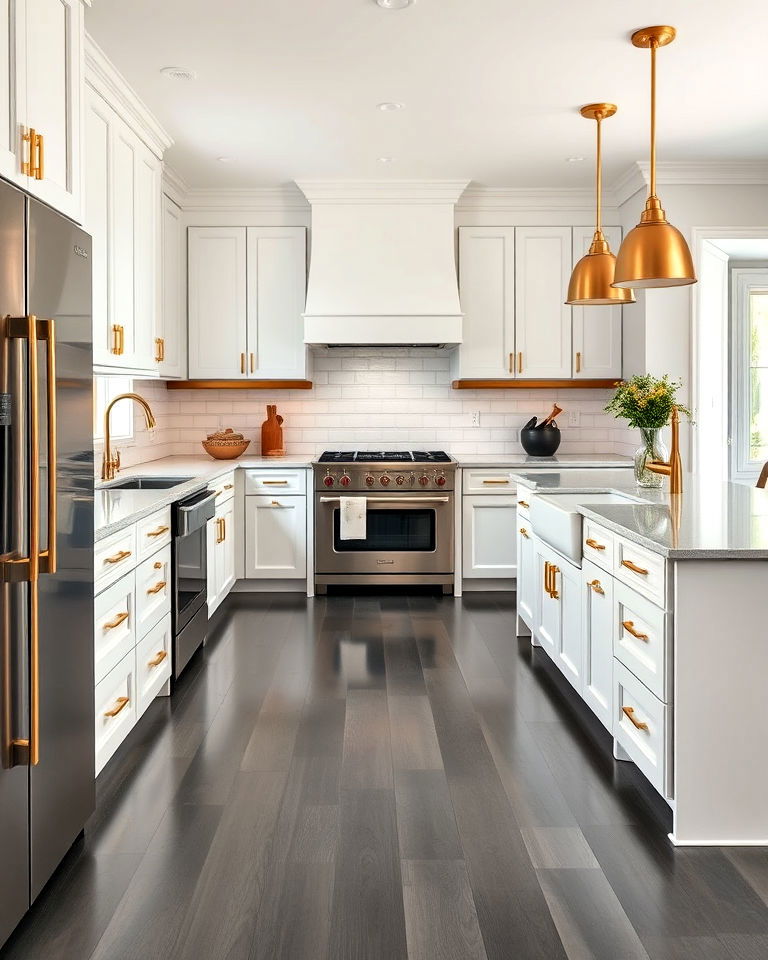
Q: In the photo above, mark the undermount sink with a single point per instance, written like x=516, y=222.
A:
x=556, y=520
x=146, y=483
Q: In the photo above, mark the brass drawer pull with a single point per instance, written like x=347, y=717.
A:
x=156, y=661
x=597, y=587
x=159, y=532
x=633, y=567
x=275, y=483
x=520, y=362
x=120, y=618
x=578, y=362
x=242, y=363
x=594, y=544
x=496, y=481
x=511, y=363
x=228, y=486
x=630, y=713
x=629, y=626
x=160, y=585
x=120, y=704
x=158, y=565
x=524, y=533
x=40, y=167
x=553, y=591
x=522, y=503
x=118, y=557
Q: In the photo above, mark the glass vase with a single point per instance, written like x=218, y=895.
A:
x=651, y=449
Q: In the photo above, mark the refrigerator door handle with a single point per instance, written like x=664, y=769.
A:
x=47, y=333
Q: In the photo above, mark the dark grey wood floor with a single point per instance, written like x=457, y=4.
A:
x=384, y=777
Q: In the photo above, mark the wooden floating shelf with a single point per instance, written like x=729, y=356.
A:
x=239, y=384
x=535, y=384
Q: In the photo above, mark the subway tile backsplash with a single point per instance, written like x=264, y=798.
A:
x=375, y=397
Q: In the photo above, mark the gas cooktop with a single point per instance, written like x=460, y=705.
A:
x=384, y=456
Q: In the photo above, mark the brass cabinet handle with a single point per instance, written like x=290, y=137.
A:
x=219, y=529
x=523, y=503
x=28, y=137
x=120, y=704
x=158, y=350
x=120, y=618
x=524, y=533
x=223, y=528
x=228, y=486
x=629, y=626
x=276, y=503
x=252, y=363
x=578, y=361
x=115, y=338
x=633, y=567
x=218, y=494
x=275, y=483
x=121, y=555
x=511, y=363
x=630, y=713
x=594, y=544
x=495, y=481
x=160, y=585
x=520, y=362
x=156, y=661
x=242, y=363
x=554, y=572
x=596, y=586
x=159, y=532
x=40, y=167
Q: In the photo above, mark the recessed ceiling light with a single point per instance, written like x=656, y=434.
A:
x=394, y=4
x=223, y=159
x=179, y=73
x=386, y=159
x=574, y=159
x=390, y=105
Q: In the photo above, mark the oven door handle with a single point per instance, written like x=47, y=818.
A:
x=394, y=499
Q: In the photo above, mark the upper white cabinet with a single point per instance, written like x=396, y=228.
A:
x=487, y=284
x=596, y=330
x=542, y=319
x=171, y=328
x=247, y=288
x=41, y=57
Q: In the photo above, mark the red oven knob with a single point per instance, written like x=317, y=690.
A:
x=385, y=481
x=424, y=480
x=440, y=481
x=369, y=481
x=345, y=480
x=328, y=481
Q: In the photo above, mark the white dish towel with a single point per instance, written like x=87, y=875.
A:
x=353, y=517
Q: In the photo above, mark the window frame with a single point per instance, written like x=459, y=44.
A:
x=744, y=280
x=105, y=389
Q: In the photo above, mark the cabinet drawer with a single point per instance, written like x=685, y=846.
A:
x=153, y=663
x=153, y=532
x=524, y=498
x=223, y=487
x=640, y=639
x=115, y=702
x=275, y=481
x=641, y=569
x=642, y=726
x=489, y=481
x=113, y=557
x=114, y=625
x=598, y=544
x=153, y=590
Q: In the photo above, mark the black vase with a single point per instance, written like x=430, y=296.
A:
x=542, y=442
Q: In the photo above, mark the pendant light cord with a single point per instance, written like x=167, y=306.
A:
x=599, y=177
x=654, y=45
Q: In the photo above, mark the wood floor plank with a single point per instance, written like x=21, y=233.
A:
x=367, y=757
x=554, y=848
x=271, y=744
x=440, y=916
x=403, y=664
x=426, y=824
x=413, y=735
x=294, y=922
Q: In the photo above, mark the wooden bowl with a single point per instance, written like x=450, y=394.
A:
x=226, y=450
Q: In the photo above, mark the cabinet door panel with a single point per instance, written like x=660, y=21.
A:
x=542, y=320
x=276, y=537
x=489, y=536
x=598, y=642
x=217, y=302
x=122, y=254
x=596, y=330
x=13, y=93
x=487, y=290
x=276, y=296
x=172, y=327
x=98, y=118
x=548, y=619
x=146, y=233
x=568, y=583
x=526, y=573
x=225, y=555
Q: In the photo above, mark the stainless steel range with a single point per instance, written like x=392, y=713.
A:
x=409, y=530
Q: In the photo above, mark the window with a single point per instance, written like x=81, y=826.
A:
x=105, y=389
x=749, y=403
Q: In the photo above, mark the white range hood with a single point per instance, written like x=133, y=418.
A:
x=383, y=266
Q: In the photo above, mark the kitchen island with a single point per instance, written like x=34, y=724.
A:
x=658, y=624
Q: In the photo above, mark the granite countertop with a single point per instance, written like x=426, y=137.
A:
x=711, y=520
x=116, y=509
x=563, y=460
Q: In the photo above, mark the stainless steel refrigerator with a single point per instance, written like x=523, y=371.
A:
x=46, y=546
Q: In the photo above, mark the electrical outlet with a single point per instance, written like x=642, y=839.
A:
x=476, y=418
x=574, y=418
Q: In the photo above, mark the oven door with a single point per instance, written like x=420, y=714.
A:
x=405, y=534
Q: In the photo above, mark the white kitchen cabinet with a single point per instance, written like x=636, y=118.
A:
x=276, y=537
x=548, y=610
x=526, y=573
x=11, y=43
x=171, y=328
x=597, y=342
x=221, y=554
x=489, y=536
x=277, y=271
x=542, y=319
x=559, y=619
x=487, y=290
x=597, y=632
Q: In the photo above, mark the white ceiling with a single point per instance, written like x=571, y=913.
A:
x=287, y=89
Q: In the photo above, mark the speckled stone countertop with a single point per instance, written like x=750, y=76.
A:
x=711, y=520
x=116, y=509
x=563, y=460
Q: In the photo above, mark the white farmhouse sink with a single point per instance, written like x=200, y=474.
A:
x=556, y=520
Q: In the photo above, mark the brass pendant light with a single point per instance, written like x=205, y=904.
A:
x=593, y=275
x=654, y=253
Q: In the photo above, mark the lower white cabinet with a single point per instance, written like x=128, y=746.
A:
x=526, y=573
x=276, y=537
x=597, y=634
x=153, y=663
x=221, y=554
x=558, y=623
x=489, y=536
x=115, y=703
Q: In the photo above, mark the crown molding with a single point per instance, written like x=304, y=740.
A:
x=252, y=200
x=522, y=199
x=382, y=191
x=174, y=185
x=690, y=173
x=102, y=75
